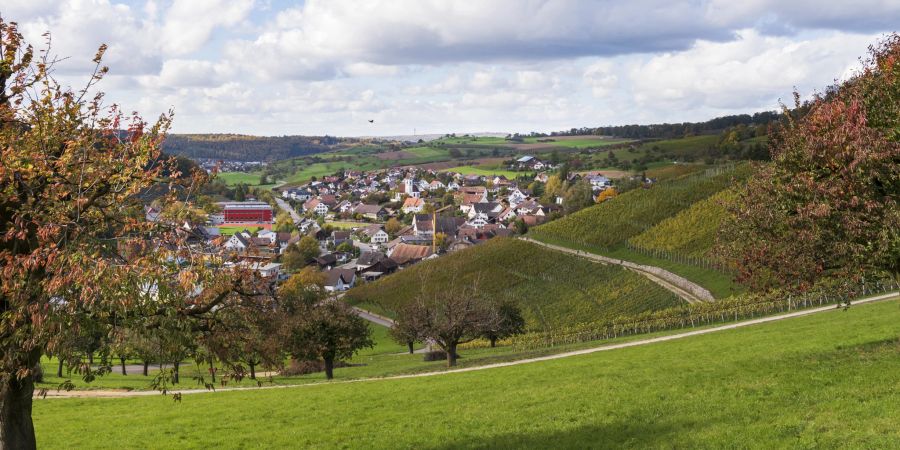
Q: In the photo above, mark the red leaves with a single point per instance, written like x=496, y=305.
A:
x=832, y=187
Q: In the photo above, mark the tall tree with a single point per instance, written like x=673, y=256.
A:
x=828, y=202
x=316, y=327
x=502, y=321
x=446, y=317
x=76, y=251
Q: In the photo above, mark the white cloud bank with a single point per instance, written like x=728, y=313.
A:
x=327, y=66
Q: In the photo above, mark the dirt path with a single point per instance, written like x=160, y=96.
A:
x=587, y=351
x=688, y=290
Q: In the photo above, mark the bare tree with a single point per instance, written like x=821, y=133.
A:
x=447, y=317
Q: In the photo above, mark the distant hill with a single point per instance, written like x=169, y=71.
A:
x=249, y=148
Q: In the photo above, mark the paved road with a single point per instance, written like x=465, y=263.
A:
x=689, y=291
x=285, y=206
x=372, y=317
x=604, y=348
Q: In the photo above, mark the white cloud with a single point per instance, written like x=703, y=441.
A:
x=751, y=72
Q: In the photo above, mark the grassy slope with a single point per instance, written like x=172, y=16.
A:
x=827, y=380
x=691, y=232
x=552, y=288
x=605, y=228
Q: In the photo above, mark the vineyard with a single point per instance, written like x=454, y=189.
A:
x=691, y=233
x=745, y=306
x=609, y=225
x=553, y=289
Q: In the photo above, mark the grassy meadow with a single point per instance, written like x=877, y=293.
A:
x=826, y=380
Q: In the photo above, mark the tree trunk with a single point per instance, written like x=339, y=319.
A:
x=175, y=372
x=451, y=355
x=410, y=345
x=16, y=428
x=329, y=368
x=59, y=369
x=146, y=367
x=252, y=371
x=493, y=342
x=91, y=358
x=212, y=370
x=122, y=360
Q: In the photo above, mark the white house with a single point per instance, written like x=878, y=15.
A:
x=237, y=242
x=599, y=182
x=380, y=237
x=413, y=205
x=516, y=196
x=338, y=280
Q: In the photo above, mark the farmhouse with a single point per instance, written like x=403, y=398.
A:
x=373, y=212
x=337, y=280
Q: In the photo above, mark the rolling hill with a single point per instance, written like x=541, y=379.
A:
x=826, y=380
x=553, y=289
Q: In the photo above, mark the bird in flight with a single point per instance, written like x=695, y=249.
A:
x=371, y=120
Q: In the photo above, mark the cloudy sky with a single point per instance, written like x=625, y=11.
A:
x=328, y=66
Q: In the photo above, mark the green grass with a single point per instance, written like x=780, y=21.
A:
x=487, y=172
x=827, y=380
x=229, y=230
x=579, y=142
x=553, y=289
x=232, y=178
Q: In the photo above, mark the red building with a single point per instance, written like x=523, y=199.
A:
x=246, y=212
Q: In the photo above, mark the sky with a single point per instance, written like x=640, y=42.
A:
x=275, y=67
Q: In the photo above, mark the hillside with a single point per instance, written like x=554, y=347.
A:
x=553, y=289
x=768, y=386
x=606, y=228
x=691, y=232
x=612, y=223
x=246, y=148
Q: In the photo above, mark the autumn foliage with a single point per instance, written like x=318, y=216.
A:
x=827, y=204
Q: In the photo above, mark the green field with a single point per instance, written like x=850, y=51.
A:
x=232, y=178
x=576, y=141
x=487, y=172
x=553, y=289
x=827, y=380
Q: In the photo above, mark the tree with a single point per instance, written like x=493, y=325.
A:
x=447, y=317
x=392, y=226
x=403, y=334
x=240, y=193
x=316, y=327
x=301, y=253
x=578, y=197
x=606, y=194
x=827, y=204
x=442, y=241
x=284, y=222
x=448, y=199
x=503, y=320
x=76, y=250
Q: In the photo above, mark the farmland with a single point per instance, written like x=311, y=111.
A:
x=606, y=228
x=610, y=224
x=576, y=141
x=691, y=232
x=773, y=385
x=488, y=172
x=552, y=289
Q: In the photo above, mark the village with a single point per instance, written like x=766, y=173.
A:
x=366, y=225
